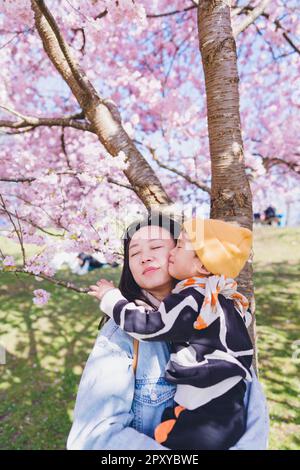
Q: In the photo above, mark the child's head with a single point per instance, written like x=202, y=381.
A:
x=183, y=260
x=208, y=246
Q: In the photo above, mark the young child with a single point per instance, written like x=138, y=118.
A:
x=206, y=320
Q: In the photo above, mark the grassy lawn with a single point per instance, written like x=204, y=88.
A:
x=277, y=285
x=48, y=346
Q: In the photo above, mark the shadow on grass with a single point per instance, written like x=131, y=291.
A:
x=46, y=350
x=278, y=331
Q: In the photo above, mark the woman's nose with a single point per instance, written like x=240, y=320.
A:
x=146, y=257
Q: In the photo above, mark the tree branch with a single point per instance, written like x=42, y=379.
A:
x=170, y=13
x=67, y=172
x=269, y=162
x=238, y=11
x=31, y=122
x=28, y=221
x=251, y=17
x=67, y=285
x=19, y=233
x=103, y=114
x=193, y=181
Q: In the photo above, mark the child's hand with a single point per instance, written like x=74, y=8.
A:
x=101, y=288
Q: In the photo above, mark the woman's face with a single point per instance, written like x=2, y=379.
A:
x=149, y=251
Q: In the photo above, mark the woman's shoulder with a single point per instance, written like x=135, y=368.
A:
x=115, y=338
x=153, y=355
x=109, y=329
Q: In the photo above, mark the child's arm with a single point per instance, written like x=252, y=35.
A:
x=172, y=321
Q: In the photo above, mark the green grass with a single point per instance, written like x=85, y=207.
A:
x=277, y=284
x=48, y=346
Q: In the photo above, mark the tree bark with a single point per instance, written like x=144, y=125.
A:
x=102, y=113
x=231, y=198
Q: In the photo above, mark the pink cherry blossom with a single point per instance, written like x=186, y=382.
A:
x=41, y=297
x=149, y=64
x=9, y=261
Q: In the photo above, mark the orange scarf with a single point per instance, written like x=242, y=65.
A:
x=211, y=287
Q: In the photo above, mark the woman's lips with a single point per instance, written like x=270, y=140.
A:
x=150, y=270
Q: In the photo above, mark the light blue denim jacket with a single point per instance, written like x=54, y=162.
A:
x=115, y=411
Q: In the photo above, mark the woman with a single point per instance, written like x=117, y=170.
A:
x=114, y=409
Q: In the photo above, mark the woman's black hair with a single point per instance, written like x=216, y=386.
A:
x=127, y=285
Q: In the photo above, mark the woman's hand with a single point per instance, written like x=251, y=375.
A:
x=101, y=288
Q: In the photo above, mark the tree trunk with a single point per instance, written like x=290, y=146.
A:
x=231, y=198
x=230, y=193
x=102, y=113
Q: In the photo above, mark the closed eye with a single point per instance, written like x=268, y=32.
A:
x=151, y=248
